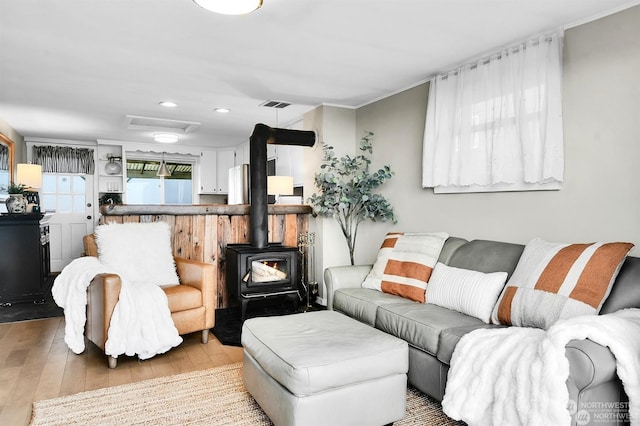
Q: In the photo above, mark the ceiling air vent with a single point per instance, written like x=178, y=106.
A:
x=275, y=104
x=135, y=122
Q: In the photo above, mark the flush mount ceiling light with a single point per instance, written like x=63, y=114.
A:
x=222, y=110
x=230, y=7
x=168, y=104
x=165, y=137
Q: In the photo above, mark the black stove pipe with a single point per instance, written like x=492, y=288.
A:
x=261, y=136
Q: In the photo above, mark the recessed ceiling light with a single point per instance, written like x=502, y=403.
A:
x=222, y=110
x=230, y=7
x=165, y=137
x=168, y=104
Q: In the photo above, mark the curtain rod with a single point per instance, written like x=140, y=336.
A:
x=496, y=56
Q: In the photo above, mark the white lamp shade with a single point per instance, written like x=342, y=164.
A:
x=279, y=185
x=29, y=175
x=230, y=7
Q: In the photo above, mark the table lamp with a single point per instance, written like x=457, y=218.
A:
x=30, y=175
x=279, y=185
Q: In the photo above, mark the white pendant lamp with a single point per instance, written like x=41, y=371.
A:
x=230, y=7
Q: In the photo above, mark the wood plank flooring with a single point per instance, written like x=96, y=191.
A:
x=35, y=364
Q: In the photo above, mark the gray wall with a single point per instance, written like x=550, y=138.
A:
x=600, y=199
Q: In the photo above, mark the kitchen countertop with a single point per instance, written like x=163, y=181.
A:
x=198, y=209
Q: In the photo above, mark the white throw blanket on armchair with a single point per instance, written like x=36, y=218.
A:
x=517, y=375
x=141, y=323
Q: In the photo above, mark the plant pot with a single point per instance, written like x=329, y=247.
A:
x=16, y=204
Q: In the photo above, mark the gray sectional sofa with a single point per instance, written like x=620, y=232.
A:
x=432, y=332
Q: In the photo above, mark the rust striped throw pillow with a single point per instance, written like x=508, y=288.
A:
x=404, y=264
x=555, y=281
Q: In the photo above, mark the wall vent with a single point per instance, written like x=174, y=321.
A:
x=135, y=122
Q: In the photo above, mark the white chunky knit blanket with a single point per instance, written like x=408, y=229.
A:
x=517, y=376
x=141, y=323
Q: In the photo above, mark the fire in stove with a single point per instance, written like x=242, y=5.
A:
x=264, y=271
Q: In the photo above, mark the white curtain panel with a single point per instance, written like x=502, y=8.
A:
x=498, y=121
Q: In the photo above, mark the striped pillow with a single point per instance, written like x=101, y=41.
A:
x=404, y=264
x=554, y=281
x=471, y=292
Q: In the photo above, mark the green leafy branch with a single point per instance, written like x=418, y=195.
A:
x=346, y=191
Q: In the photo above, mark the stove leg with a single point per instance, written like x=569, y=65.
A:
x=244, y=304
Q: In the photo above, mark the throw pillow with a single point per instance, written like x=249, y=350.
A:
x=554, y=281
x=470, y=292
x=404, y=264
x=139, y=252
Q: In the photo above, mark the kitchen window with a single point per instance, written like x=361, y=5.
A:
x=145, y=187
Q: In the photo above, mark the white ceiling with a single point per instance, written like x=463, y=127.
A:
x=73, y=69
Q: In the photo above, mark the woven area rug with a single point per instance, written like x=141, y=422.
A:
x=210, y=397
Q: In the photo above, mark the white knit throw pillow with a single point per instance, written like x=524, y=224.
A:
x=471, y=292
x=139, y=252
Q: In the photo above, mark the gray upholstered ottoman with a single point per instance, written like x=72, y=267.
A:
x=324, y=368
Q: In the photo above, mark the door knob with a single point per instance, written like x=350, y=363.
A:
x=88, y=204
x=89, y=217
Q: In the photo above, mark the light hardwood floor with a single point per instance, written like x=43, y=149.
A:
x=36, y=364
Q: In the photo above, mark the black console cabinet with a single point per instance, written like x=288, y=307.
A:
x=24, y=258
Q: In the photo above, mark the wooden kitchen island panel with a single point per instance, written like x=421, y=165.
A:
x=202, y=232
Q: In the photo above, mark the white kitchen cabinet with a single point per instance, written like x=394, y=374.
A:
x=272, y=151
x=242, y=153
x=208, y=177
x=226, y=160
x=214, y=171
x=289, y=162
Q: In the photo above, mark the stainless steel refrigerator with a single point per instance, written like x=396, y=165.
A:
x=239, y=184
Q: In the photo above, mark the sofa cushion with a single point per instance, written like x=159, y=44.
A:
x=362, y=303
x=182, y=297
x=554, y=281
x=625, y=292
x=487, y=256
x=420, y=324
x=450, y=337
x=470, y=292
x=404, y=264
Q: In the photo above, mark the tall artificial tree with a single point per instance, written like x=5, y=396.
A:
x=346, y=191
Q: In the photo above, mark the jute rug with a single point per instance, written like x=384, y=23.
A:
x=210, y=397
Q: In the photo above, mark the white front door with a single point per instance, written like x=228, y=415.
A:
x=68, y=198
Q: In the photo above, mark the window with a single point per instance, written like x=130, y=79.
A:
x=144, y=187
x=63, y=193
x=496, y=125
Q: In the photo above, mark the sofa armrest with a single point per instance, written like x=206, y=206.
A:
x=593, y=384
x=203, y=277
x=338, y=277
x=590, y=364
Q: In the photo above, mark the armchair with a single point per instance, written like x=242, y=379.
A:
x=192, y=302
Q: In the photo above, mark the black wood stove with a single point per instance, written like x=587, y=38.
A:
x=260, y=269
x=261, y=272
